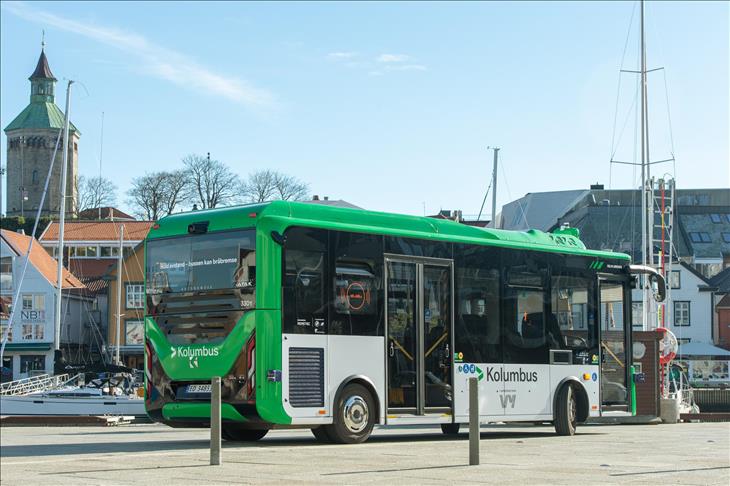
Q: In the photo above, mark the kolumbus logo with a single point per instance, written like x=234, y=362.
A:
x=192, y=354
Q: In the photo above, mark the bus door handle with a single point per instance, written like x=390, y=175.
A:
x=446, y=350
x=391, y=350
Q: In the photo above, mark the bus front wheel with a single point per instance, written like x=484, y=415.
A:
x=566, y=411
x=238, y=434
x=354, y=416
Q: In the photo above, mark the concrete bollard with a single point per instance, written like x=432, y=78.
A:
x=669, y=410
x=215, y=422
x=473, y=422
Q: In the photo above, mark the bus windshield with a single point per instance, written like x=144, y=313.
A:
x=195, y=263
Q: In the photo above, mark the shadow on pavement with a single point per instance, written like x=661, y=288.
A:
x=110, y=447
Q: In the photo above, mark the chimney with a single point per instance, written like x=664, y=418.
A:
x=21, y=231
x=315, y=198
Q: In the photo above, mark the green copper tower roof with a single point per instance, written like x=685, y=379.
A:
x=42, y=111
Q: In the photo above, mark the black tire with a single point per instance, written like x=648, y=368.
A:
x=450, y=429
x=239, y=434
x=566, y=411
x=354, y=416
x=320, y=433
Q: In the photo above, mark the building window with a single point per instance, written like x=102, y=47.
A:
x=637, y=315
x=675, y=279
x=32, y=364
x=681, y=313
x=716, y=218
x=34, y=177
x=133, y=333
x=109, y=251
x=34, y=302
x=135, y=296
x=6, y=273
x=699, y=237
x=726, y=237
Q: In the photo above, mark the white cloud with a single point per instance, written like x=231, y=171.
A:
x=341, y=56
x=157, y=60
x=389, y=58
x=407, y=67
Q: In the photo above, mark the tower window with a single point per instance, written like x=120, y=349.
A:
x=34, y=177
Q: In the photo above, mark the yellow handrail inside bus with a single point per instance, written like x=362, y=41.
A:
x=605, y=346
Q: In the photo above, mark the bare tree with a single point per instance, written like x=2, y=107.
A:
x=209, y=181
x=174, y=187
x=94, y=192
x=147, y=195
x=267, y=185
x=289, y=188
x=259, y=187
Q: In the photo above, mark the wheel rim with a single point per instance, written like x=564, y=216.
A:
x=356, y=414
x=572, y=412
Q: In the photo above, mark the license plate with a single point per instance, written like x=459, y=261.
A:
x=199, y=388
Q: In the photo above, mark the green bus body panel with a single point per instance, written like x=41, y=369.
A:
x=362, y=221
x=277, y=216
x=183, y=368
x=173, y=411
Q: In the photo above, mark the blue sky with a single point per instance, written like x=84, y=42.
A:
x=390, y=106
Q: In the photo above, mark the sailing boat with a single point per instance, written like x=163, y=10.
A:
x=61, y=395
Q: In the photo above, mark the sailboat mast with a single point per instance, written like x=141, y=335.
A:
x=120, y=268
x=646, y=199
x=61, y=222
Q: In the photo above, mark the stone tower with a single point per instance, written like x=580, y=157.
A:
x=31, y=139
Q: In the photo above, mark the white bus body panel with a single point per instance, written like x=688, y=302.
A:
x=513, y=392
x=344, y=357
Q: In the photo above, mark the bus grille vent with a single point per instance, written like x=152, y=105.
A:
x=306, y=377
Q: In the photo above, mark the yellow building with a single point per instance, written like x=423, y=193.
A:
x=131, y=310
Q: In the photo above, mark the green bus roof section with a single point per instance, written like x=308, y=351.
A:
x=283, y=214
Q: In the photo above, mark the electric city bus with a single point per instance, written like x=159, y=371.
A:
x=339, y=319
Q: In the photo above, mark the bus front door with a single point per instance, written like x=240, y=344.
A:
x=615, y=340
x=419, y=344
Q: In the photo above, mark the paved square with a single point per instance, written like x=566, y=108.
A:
x=156, y=454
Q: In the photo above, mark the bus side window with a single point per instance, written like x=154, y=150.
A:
x=573, y=315
x=304, y=281
x=477, y=335
x=524, y=324
x=357, y=290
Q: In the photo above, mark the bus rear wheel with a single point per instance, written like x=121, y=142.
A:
x=354, y=416
x=238, y=434
x=566, y=411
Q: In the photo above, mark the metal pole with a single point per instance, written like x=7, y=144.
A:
x=644, y=225
x=473, y=422
x=494, y=189
x=120, y=268
x=215, y=422
x=61, y=222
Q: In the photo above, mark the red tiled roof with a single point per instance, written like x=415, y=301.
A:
x=40, y=259
x=96, y=285
x=107, y=212
x=98, y=230
x=90, y=268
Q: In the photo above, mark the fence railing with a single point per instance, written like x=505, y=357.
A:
x=24, y=386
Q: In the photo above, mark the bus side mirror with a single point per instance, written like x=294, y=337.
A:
x=656, y=280
x=658, y=286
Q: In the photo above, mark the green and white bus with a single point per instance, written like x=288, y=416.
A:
x=339, y=319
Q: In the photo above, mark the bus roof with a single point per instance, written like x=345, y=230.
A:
x=363, y=221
